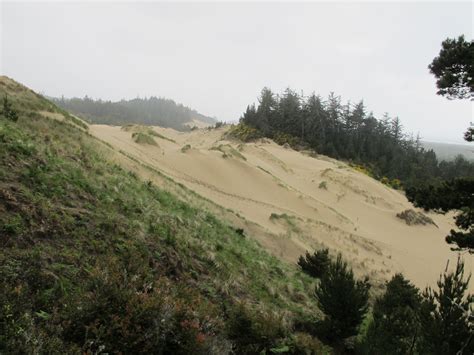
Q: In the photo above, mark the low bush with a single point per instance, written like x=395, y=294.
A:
x=244, y=133
x=143, y=138
x=8, y=110
x=185, y=148
x=253, y=331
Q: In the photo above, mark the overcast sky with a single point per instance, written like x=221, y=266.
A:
x=216, y=57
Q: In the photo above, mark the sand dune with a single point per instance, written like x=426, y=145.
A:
x=292, y=202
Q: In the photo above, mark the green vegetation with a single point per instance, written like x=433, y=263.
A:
x=402, y=320
x=185, y=148
x=95, y=260
x=8, y=112
x=454, y=68
x=323, y=185
x=244, y=133
x=433, y=322
x=151, y=111
x=143, y=138
x=395, y=321
x=379, y=147
x=156, y=134
x=446, y=315
x=315, y=265
x=343, y=299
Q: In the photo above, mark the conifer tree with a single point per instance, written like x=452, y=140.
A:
x=343, y=299
x=395, y=325
x=446, y=315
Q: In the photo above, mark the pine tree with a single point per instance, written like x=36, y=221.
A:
x=446, y=315
x=343, y=299
x=395, y=325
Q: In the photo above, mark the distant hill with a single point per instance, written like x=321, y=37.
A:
x=148, y=111
x=448, y=151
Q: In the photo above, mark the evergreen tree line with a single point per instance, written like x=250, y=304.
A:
x=348, y=131
x=403, y=320
x=148, y=111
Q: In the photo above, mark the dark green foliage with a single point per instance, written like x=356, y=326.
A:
x=148, y=111
x=253, y=332
x=343, y=299
x=8, y=110
x=346, y=131
x=446, y=316
x=454, y=68
x=395, y=325
x=469, y=135
x=455, y=194
x=454, y=71
x=315, y=265
x=240, y=232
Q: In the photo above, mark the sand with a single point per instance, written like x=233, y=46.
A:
x=354, y=214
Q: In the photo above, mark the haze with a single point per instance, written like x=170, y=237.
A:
x=216, y=57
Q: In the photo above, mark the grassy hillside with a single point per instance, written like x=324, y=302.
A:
x=93, y=259
x=149, y=111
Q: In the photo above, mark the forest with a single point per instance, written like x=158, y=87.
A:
x=149, y=111
x=350, y=132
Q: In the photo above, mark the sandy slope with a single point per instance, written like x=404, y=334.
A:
x=355, y=214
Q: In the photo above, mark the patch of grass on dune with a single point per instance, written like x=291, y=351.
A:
x=143, y=138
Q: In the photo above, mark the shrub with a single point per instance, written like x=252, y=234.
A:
x=323, y=185
x=302, y=343
x=396, y=184
x=127, y=315
x=143, y=138
x=185, y=148
x=8, y=110
x=315, y=265
x=284, y=138
x=253, y=332
x=385, y=180
x=342, y=299
x=362, y=169
x=244, y=133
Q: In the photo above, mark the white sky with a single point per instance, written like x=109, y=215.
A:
x=216, y=57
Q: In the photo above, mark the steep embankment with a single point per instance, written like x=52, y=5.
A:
x=293, y=202
x=95, y=259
